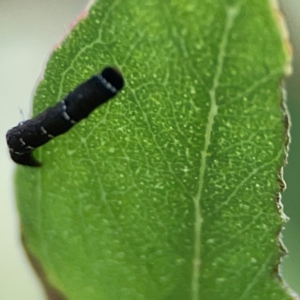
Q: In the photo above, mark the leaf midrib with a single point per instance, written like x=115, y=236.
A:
x=231, y=14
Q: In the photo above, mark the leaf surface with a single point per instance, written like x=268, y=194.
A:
x=170, y=190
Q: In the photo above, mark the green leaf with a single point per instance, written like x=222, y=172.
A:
x=169, y=191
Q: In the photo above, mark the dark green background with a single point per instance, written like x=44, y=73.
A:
x=291, y=197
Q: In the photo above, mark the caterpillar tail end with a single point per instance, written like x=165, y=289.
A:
x=114, y=77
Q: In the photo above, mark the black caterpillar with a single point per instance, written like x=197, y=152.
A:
x=77, y=105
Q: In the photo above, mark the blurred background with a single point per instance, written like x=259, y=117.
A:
x=28, y=31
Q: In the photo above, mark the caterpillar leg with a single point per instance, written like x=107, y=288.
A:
x=25, y=159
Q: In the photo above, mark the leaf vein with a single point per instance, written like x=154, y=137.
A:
x=231, y=14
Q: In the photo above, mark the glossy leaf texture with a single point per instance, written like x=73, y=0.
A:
x=170, y=190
